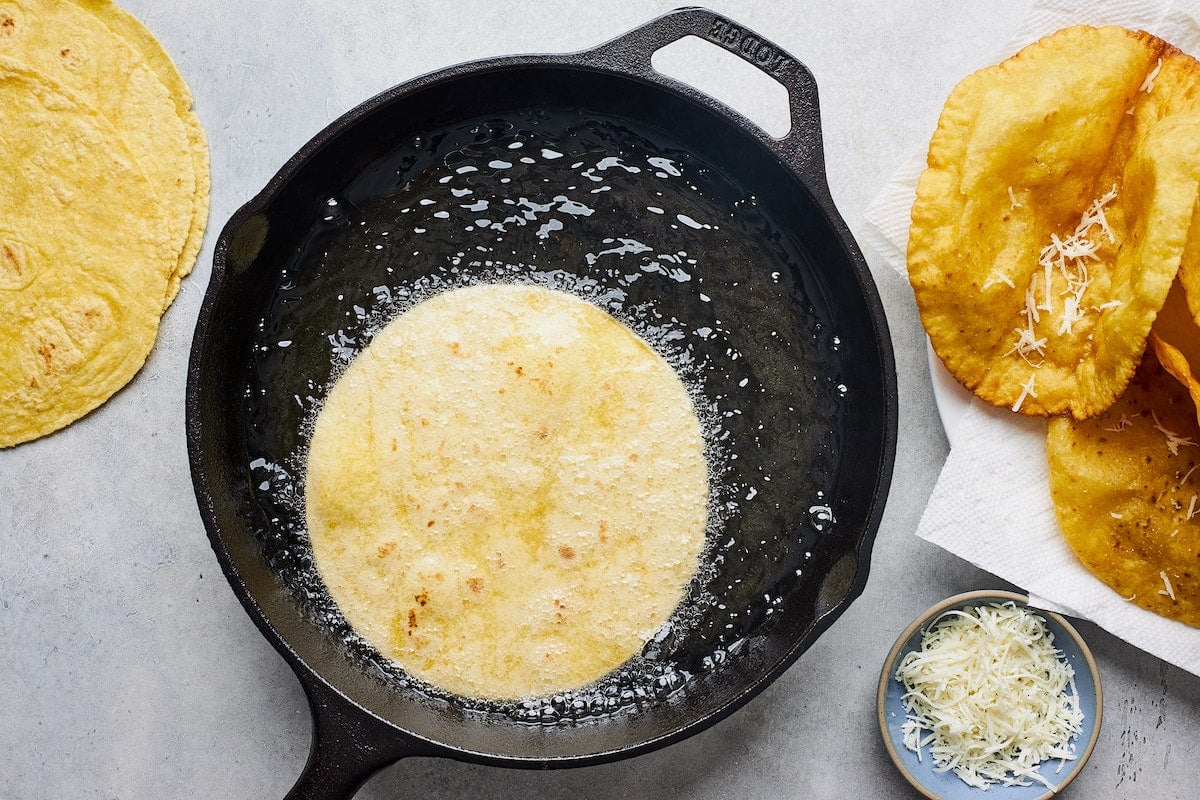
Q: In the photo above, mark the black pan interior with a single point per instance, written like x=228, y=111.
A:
x=655, y=208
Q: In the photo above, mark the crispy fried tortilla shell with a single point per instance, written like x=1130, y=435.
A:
x=1126, y=490
x=1053, y=215
x=1176, y=89
x=1189, y=267
x=1176, y=340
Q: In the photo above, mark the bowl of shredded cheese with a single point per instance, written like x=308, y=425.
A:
x=984, y=694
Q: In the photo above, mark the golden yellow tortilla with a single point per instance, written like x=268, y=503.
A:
x=507, y=492
x=1089, y=138
x=85, y=253
x=129, y=28
x=74, y=48
x=1126, y=490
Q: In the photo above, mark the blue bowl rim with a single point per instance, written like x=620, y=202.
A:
x=983, y=596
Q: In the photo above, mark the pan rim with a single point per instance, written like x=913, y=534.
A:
x=888, y=423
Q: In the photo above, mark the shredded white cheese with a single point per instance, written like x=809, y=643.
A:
x=1191, y=512
x=1123, y=423
x=1174, y=440
x=990, y=696
x=1047, y=303
x=1187, y=475
x=1026, y=344
x=1026, y=391
x=1071, y=314
x=1012, y=199
x=1170, y=590
x=1148, y=84
x=998, y=277
x=1069, y=258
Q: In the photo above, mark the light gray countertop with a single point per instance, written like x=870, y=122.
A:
x=129, y=670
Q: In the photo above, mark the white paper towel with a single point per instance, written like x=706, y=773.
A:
x=991, y=505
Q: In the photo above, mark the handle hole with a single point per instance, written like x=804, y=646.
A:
x=725, y=77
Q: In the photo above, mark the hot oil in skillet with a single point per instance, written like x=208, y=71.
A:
x=644, y=230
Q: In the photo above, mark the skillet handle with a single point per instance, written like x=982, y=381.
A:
x=349, y=745
x=802, y=147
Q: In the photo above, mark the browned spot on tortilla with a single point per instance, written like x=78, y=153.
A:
x=475, y=585
x=7, y=25
x=422, y=598
x=46, y=351
x=394, y=443
x=71, y=59
x=603, y=531
x=566, y=551
x=412, y=620
x=10, y=260
x=455, y=348
x=543, y=433
x=430, y=523
x=384, y=550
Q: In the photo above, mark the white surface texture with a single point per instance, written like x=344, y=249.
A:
x=129, y=670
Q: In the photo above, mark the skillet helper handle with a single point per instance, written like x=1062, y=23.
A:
x=802, y=147
x=348, y=747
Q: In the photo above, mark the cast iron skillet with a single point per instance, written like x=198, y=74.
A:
x=603, y=177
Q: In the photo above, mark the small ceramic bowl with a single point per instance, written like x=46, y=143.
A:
x=947, y=785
